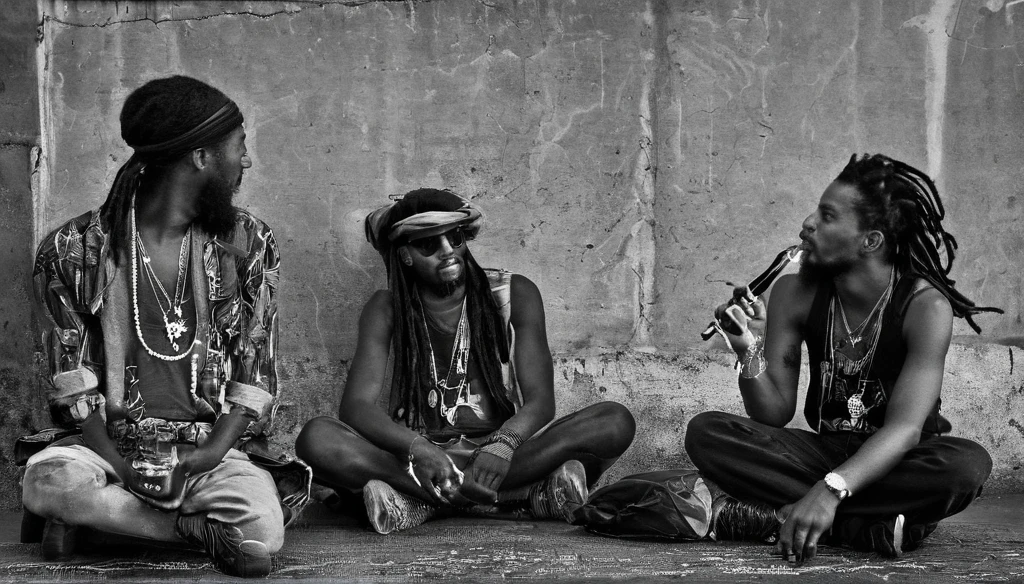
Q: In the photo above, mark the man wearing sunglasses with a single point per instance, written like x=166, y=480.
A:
x=459, y=356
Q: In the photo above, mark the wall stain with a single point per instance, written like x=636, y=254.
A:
x=1017, y=426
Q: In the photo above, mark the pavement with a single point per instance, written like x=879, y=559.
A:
x=985, y=543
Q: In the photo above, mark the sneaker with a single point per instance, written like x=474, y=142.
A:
x=561, y=493
x=914, y=535
x=734, y=520
x=390, y=510
x=59, y=540
x=886, y=537
x=232, y=554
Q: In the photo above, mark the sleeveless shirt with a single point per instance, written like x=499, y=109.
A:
x=828, y=406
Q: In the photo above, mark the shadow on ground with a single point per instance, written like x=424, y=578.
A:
x=983, y=544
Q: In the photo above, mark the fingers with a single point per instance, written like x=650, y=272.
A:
x=479, y=493
x=798, y=543
x=814, y=533
x=737, y=315
x=784, y=547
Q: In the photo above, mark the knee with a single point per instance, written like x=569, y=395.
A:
x=617, y=424
x=267, y=528
x=700, y=431
x=966, y=472
x=314, y=434
x=57, y=487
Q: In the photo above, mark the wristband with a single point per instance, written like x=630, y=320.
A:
x=511, y=438
x=499, y=449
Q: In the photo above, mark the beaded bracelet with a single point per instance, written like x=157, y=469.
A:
x=508, y=437
x=499, y=449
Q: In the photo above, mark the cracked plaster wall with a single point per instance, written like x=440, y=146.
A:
x=631, y=157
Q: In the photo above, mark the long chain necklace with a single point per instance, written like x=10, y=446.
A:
x=173, y=328
x=855, y=336
x=458, y=369
x=839, y=363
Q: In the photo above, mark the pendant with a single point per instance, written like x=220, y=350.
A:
x=855, y=406
x=174, y=330
x=451, y=414
x=854, y=340
x=432, y=398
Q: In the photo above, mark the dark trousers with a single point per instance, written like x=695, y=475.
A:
x=757, y=463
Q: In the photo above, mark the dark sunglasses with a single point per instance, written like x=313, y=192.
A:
x=428, y=246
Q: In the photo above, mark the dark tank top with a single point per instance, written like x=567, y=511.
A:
x=833, y=396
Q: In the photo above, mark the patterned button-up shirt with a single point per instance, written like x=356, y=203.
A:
x=90, y=327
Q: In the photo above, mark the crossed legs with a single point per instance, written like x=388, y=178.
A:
x=596, y=436
x=76, y=486
x=761, y=464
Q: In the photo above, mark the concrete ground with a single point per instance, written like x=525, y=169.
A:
x=983, y=544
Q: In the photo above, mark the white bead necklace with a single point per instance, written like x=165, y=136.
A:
x=174, y=328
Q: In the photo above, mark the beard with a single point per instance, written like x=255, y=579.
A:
x=447, y=289
x=216, y=212
x=815, y=272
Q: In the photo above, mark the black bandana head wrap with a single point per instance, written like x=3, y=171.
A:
x=162, y=121
x=167, y=118
x=420, y=213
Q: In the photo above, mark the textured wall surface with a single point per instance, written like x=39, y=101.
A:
x=21, y=397
x=631, y=156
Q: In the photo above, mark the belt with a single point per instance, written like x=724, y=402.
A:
x=127, y=435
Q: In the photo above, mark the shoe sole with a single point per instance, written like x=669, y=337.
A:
x=253, y=560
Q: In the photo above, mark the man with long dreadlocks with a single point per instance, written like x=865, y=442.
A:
x=161, y=336
x=466, y=426
x=874, y=304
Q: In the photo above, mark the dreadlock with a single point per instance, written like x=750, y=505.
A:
x=903, y=203
x=488, y=344
x=155, y=113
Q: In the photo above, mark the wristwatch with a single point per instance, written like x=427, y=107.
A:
x=837, y=485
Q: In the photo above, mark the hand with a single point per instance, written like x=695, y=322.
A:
x=490, y=470
x=167, y=491
x=198, y=461
x=804, y=523
x=434, y=471
x=735, y=317
x=484, y=478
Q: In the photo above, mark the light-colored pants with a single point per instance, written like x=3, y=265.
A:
x=68, y=482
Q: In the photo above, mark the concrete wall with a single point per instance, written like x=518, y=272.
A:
x=22, y=404
x=631, y=157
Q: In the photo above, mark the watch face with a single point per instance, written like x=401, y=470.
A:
x=835, y=482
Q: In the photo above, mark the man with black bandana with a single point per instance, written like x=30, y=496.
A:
x=161, y=334
x=462, y=353
x=874, y=305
